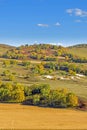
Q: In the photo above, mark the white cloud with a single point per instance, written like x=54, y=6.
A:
x=69, y=11
x=77, y=12
x=78, y=21
x=42, y=25
x=57, y=24
x=56, y=43
x=35, y=41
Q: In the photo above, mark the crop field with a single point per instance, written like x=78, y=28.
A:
x=16, y=116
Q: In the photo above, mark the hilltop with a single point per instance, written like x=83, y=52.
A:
x=78, y=46
x=4, y=48
x=46, y=52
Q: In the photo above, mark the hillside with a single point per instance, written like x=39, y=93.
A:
x=44, y=52
x=4, y=48
x=79, y=50
x=47, y=52
x=78, y=45
x=39, y=64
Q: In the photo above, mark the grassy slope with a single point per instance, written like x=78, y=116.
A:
x=79, y=50
x=79, y=87
x=4, y=48
x=16, y=116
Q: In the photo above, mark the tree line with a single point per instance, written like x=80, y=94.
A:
x=43, y=52
x=49, y=67
x=41, y=95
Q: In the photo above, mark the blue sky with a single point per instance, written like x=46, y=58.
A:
x=43, y=21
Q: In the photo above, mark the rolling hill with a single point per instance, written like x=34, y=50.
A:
x=4, y=48
x=43, y=52
x=79, y=50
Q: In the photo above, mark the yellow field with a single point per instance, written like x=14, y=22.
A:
x=16, y=116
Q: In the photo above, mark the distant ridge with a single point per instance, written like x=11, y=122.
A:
x=78, y=45
x=6, y=46
x=44, y=52
x=78, y=50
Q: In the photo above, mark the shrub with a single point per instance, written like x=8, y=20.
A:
x=11, y=93
x=6, y=72
x=36, y=99
x=42, y=95
x=17, y=95
x=5, y=94
x=6, y=63
x=72, y=100
x=11, y=77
